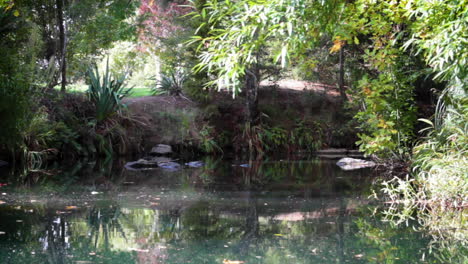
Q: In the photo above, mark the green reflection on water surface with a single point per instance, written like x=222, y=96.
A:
x=273, y=212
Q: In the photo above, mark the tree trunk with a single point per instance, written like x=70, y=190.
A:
x=251, y=88
x=341, y=76
x=63, y=47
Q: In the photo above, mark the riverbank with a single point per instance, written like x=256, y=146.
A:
x=292, y=120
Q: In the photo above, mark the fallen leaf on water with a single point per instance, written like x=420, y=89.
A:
x=359, y=256
x=227, y=261
x=94, y=193
x=2, y=233
x=71, y=207
x=278, y=235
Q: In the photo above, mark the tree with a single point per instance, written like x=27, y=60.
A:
x=238, y=30
x=62, y=44
x=380, y=28
x=75, y=32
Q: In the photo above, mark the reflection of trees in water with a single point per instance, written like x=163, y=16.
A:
x=251, y=226
x=315, y=230
x=56, y=239
x=103, y=222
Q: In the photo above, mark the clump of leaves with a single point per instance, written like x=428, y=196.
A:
x=207, y=142
x=171, y=83
x=106, y=93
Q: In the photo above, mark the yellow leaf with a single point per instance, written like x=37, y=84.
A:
x=16, y=13
x=10, y=6
x=337, y=45
x=71, y=207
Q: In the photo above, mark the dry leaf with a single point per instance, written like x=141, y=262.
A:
x=71, y=207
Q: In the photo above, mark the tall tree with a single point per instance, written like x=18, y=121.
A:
x=243, y=28
x=62, y=44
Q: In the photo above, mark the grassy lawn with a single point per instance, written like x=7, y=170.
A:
x=81, y=88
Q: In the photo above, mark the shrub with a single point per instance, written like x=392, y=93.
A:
x=106, y=94
x=14, y=110
x=171, y=83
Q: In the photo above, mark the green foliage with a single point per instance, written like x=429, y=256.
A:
x=441, y=162
x=304, y=135
x=106, y=93
x=207, y=142
x=238, y=30
x=18, y=50
x=388, y=117
x=172, y=83
x=15, y=100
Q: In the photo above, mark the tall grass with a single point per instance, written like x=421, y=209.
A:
x=438, y=192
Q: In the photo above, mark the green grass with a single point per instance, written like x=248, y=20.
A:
x=81, y=88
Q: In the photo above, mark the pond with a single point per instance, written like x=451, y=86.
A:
x=284, y=211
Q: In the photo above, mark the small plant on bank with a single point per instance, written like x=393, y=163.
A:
x=171, y=83
x=207, y=143
x=106, y=93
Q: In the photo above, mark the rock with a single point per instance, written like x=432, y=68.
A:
x=172, y=166
x=141, y=164
x=3, y=163
x=161, y=149
x=195, y=164
x=151, y=163
x=354, y=164
x=159, y=160
x=333, y=153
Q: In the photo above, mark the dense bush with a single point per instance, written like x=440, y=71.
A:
x=106, y=93
x=15, y=102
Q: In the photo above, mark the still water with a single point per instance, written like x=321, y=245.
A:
x=272, y=212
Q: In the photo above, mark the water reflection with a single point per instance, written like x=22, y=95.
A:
x=273, y=212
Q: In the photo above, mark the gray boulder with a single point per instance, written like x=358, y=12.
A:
x=151, y=163
x=354, y=164
x=195, y=164
x=161, y=149
x=171, y=166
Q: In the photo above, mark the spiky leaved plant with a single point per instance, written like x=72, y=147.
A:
x=106, y=93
